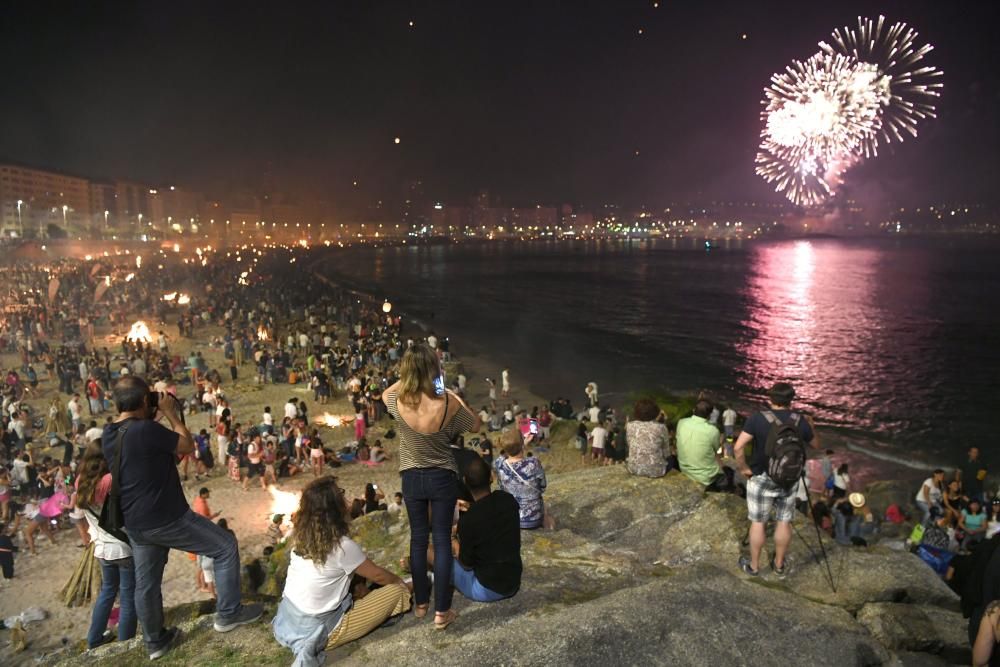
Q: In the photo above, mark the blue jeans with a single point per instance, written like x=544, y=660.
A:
x=195, y=534
x=432, y=491
x=926, y=509
x=467, y=584
x=117, y=580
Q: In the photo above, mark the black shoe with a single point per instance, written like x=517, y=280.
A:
x=248, y=614
x=173, y=634
x=745, y=566
x=780, y=572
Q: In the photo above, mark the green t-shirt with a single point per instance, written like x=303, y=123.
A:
x=697, y=441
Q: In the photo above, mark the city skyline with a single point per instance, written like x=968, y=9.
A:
x=640, y=102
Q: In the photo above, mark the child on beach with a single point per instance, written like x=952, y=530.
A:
x=270, y=456
x=274, y=532
x=316, y=455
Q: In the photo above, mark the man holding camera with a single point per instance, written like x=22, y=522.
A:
x=157, y=516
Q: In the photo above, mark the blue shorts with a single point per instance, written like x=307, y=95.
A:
x=467, y=584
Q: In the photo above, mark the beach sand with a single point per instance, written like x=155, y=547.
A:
x=39, y=579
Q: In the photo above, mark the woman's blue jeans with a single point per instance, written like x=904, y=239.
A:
x=430, y=495
x=118, y=580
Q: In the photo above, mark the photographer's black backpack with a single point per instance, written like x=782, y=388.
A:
x=785, y=451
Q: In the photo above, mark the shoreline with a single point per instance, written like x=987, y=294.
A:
x=867, y=464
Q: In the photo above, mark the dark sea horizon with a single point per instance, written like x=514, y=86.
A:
x=891, y=343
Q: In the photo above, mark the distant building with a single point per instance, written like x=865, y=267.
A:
x=38, y=203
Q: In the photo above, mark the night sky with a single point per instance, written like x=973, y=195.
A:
x=535, y=101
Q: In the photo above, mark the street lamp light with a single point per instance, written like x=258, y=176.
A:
x=20, y=225
x=65, y=208
x=106, y=212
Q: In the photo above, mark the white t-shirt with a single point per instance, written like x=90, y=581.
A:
x=841, y=481
x=595, y=413
x=316, y=589
x=93, y=434
x=600, y=436
x=268, y=419
x=729, y=417
x=253, y=453
x=74, y=409
x=935, y=492
x=291, y=411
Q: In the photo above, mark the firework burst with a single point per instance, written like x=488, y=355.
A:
x=826, y=114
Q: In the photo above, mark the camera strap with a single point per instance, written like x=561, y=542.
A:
x=116, y=464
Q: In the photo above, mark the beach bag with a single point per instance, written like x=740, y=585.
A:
x=112, y=519
x=785, y=450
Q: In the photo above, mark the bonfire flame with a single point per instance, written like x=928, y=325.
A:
x=139, y=333
x=170, y=296
x=333, y=421
x=261, y=333
x=183, y=299
x=283, y=502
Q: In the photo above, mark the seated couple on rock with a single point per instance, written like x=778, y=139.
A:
x=486, y=541
x=320, y=609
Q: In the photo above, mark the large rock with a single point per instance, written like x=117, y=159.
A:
x=702, y=616
x=907, y=627
x=640, y=571
x=863, y=575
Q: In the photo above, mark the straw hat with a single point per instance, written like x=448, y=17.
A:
x=857, y=500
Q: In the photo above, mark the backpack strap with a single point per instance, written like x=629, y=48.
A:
x=769, y=416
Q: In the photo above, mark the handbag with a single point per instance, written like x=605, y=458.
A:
x=112, y=519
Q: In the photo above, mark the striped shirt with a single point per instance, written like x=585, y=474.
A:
x=428, y=450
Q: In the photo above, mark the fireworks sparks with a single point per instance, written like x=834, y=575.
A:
x=139, y=332
x=824, y=115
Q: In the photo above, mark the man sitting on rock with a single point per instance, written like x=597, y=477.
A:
x=488, y=563
x=762, y=493
x=697, y=449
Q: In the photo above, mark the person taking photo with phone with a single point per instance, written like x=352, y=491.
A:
x=428, y=418
x=156, y=513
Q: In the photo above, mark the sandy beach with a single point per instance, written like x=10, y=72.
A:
x=39, y=579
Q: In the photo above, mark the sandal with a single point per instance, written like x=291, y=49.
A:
x=420, y=610
x=447, y=616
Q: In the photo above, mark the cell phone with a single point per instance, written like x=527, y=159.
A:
x=533, y=426
x=439, y=385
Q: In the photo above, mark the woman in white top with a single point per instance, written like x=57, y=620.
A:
x=318, y=610
x=115, y=556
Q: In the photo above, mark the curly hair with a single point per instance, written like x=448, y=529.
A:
x=91, y=470
x=321, y=520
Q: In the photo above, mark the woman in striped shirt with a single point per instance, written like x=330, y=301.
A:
x=428, y=419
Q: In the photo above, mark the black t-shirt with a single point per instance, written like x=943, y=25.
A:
x=489, y=534
x=758, y=426
x=151, y=489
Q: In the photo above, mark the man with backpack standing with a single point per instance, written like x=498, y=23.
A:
x=777, y=461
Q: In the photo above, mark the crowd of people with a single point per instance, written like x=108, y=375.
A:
x=466, y=504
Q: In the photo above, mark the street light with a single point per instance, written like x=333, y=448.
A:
x=106, y=212
x=386, y=307
x=20, y=226
x=65, y=208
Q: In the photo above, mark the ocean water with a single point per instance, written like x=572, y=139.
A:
x=892, y=345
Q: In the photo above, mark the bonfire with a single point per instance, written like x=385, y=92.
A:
x=139, y=333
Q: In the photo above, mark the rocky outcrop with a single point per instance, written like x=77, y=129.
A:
x=640, y=571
